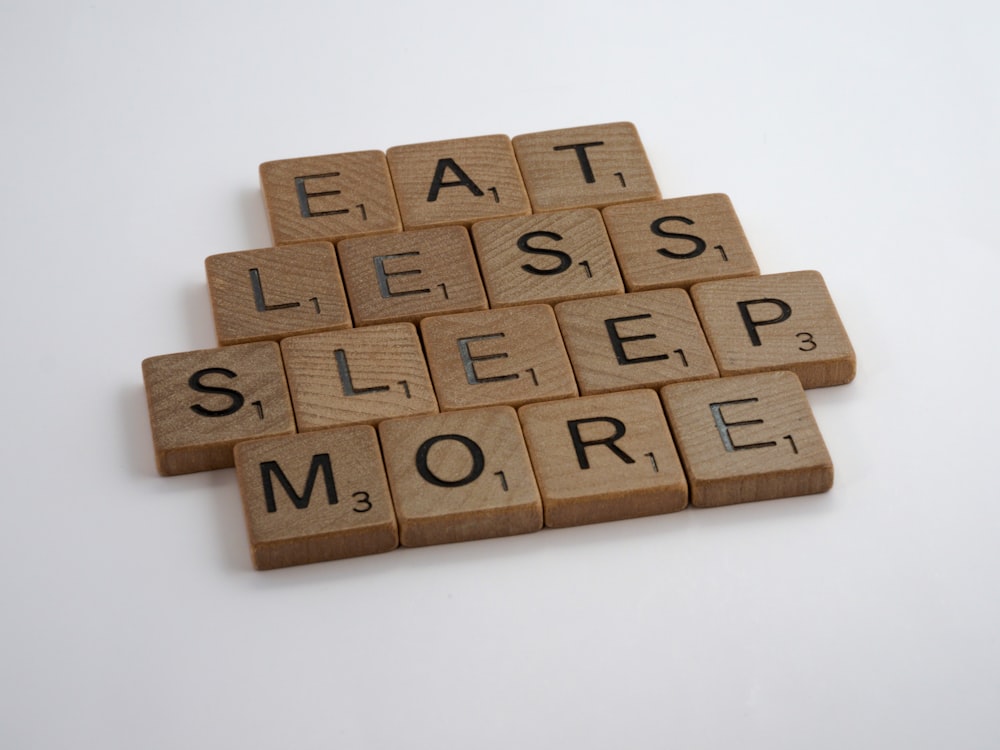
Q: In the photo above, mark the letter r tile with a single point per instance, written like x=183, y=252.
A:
x=603, y=458
x=329, y=197
x=747, y=438
x=458, y=476
x=316, y=496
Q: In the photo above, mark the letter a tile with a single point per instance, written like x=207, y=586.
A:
x=457, y=181
x=746, y=438
x=459, y=476
x=314, y=497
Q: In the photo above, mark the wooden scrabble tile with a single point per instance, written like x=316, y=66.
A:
x=357, y=376
x=458, y=476
x=270, y=293
x=513, y=356
x=329, y=197
x=457, y=181
x=593, y=165
x=546, y=257
x=201, y=403
x=745, y=438
x=315, y=497
x=784, y=321
x=603, y=458
x=679, y=241
x=410, y=275
x=634, y=340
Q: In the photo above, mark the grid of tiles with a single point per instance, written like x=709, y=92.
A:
x=483, y=336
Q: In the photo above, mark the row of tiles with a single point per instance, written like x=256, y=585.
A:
x=270, y=293
x=494, y=471
x=457, y=181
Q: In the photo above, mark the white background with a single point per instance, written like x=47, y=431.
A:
x=860, y=140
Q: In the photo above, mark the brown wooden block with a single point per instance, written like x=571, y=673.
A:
x=634, y=340
x=329, y=197
x=593, y=165
x=410, y=275
x=457, y=181
x=357, y=376
x=459, y=476
x=546, y=257
x=270, y=293
x=679, y=241
x=745, y=438
x=201, y=403
x=513, y=356
x=784, y=321
x=315, y=497
x=603, y=458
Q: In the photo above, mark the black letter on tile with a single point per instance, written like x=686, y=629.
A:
x=564, y=260
x=346, y=382
x=752, y=325
x=304, y=195
x=478, y=461
x=580, y=445
x=581, y=155
x=723, y=426
x=195, y=383
x=699, y=244
x=258, y=295
x=463, y=179
x=469, y=361
x=617, y=340
x=320, y=462
x=383, y=276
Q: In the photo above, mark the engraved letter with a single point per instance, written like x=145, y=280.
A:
x=320, y=462
x=785, y=312
x=580, y=445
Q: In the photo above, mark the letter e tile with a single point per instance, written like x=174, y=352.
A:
x=314, y=497
x=459, y=476
x=410, y=275
x=635, y=340
x=329, y=197
x=746, y=438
